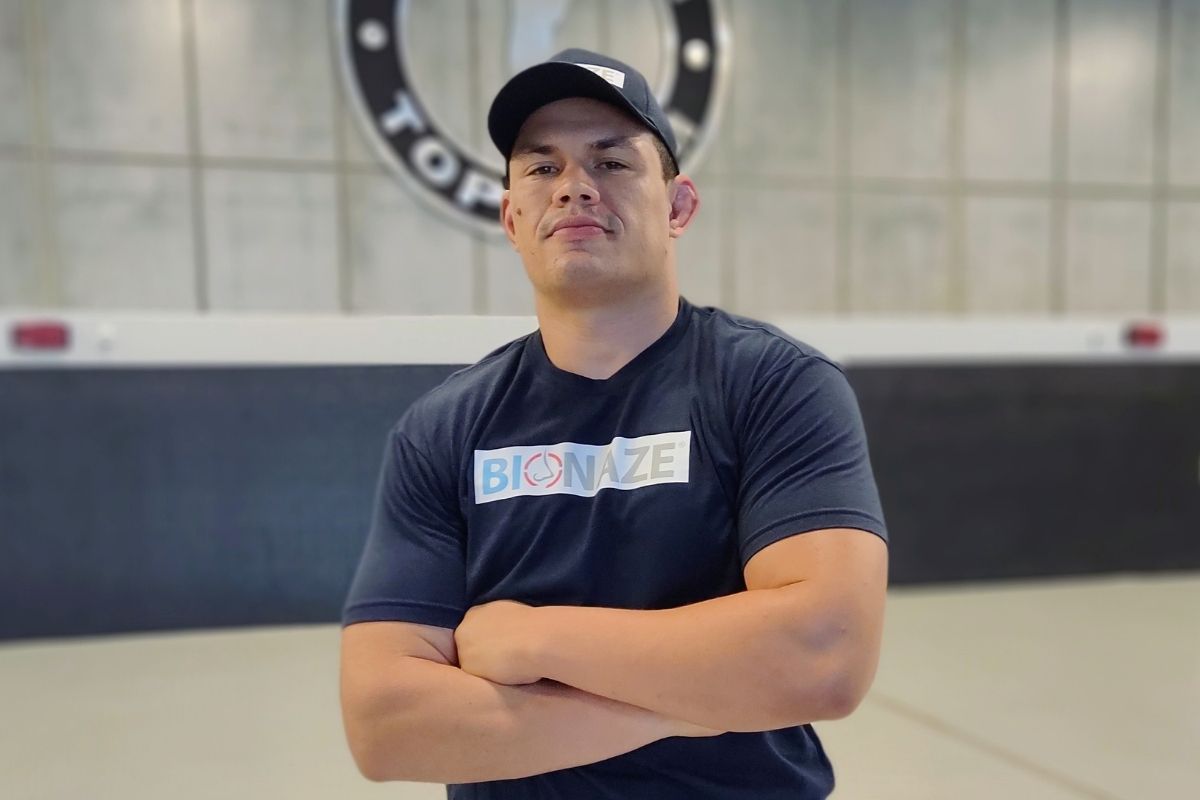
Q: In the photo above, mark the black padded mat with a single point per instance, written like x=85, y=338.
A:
x=150, y=499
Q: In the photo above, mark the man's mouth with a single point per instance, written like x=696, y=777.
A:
x=578, y=227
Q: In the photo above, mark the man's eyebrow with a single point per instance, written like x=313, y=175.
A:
x=534, y=149
x=610, y=142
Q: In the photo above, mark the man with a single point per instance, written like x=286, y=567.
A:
x=635, y=553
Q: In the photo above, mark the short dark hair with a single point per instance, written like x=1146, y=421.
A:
x=669, y=169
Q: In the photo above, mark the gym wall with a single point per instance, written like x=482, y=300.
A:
x=869, y=156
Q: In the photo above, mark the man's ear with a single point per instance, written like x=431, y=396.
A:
x=507, y=220
x=685, y=202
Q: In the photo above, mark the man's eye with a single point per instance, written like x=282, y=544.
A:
x=612, y=165
x=544, y=169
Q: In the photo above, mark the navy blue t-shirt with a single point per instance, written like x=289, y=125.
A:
x=516, y=480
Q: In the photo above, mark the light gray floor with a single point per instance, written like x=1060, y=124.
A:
x=1086, y=688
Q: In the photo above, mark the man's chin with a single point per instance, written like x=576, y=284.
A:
x=588, y=282
x=582, y=260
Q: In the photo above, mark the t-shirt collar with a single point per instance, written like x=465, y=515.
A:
x=636, y=366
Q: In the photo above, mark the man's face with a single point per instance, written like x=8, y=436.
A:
x=587, y=207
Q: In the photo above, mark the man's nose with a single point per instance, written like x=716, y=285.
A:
x=575, y=185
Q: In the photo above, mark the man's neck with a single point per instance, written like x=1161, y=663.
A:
x=597, y=341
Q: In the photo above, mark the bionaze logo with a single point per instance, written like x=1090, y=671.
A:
x=582, y=469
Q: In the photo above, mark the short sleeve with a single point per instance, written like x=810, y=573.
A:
x=412, y=567
x=804, y=459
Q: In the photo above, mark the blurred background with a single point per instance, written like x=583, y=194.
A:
x=220, y=284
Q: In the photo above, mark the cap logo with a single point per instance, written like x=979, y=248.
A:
x=613, y=76
x=400, y=118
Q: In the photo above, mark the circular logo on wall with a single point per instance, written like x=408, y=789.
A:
x=395, y=113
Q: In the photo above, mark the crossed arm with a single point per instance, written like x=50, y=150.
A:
x=518, y=690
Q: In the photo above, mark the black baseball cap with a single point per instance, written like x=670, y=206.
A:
x=575, y=73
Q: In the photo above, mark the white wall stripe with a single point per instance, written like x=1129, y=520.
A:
x=130, y=339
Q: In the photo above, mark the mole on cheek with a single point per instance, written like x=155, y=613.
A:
x=518, y=212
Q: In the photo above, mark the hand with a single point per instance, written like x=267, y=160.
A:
x=497, y=641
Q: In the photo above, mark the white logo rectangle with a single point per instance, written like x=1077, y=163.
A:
x=582, y=469
x=613, y=76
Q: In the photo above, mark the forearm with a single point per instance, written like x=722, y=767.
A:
x=748, y=661
x=442, y=725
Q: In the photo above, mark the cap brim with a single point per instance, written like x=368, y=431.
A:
x=541, y=84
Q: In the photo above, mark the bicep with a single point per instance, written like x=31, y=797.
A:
x=373, y=653
x=834, y=584
x=382, y=666
x=844, y=573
